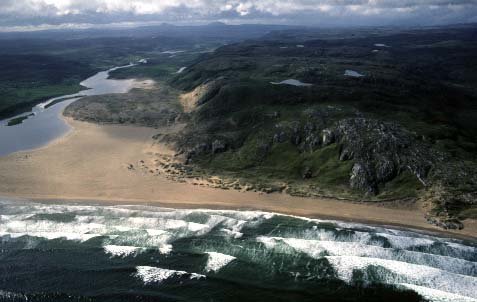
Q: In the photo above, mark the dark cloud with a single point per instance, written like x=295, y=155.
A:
x=308, y=12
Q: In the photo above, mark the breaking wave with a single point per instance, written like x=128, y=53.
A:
x=150, y=274
x=155, y=244
x=217, y=260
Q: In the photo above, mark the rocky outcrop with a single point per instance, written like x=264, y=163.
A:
x=363, y=178
x=452, y=188
x=378, y=152
x=202, y=146
x=381, y=151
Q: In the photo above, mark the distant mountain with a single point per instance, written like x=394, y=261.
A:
x=216, y=30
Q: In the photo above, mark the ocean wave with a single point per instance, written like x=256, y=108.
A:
x=406, y=242
x=232, y=234
x=394, y=272
x=12, y=296
x=128, y=226
x=150, y=274
x=436, y=267
x=122, y=251
x=435, y=295
x=49, y=229
x=319, y=249
x=217, y=261
x=51, y=235
x=386, y=265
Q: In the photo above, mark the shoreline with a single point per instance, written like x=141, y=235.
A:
x=426, y=230
x=92, y=164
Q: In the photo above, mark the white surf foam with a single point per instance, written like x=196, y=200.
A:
x=48, y=229
x=153, y=232
x=404, y=242
x=317, y=249
x=126, y=227
x=172, y=52
x=435, y=295
x=395, y=272
x=11, y=296
x=269, y=242
x=232, y=234
x=317, y=233
x=292, y=82
x=52, y=235
x=149, y=274
x=217, y=261
x=464, y=248
x=122, y=251
x=352, y=73
x=122, y=226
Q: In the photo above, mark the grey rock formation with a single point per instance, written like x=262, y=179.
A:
x=279, y=137
x=381, y=151
x=362, y=178
x=328, y=137
x=346, y=154
x=218, y=146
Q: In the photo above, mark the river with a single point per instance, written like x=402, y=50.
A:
x=45, y=123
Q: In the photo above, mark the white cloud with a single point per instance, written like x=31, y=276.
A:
x=293, y=11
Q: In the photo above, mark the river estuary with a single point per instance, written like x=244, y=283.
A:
x=44, y=123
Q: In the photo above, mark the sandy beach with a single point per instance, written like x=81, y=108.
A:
x=103, y=163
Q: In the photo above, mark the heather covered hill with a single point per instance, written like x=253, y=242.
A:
x=383, y=116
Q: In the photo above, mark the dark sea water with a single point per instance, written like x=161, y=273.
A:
x=77, y=252
x=45, y=124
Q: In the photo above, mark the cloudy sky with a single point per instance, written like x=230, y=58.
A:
x=70, y=13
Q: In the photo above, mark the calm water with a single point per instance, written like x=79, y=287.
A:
x=46, y=124
x=74, y=252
